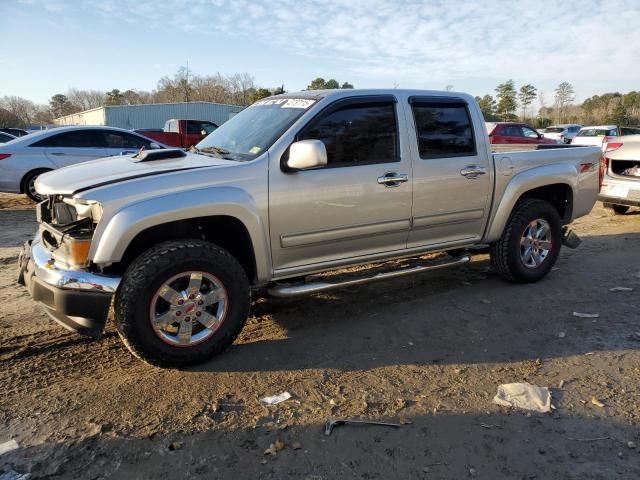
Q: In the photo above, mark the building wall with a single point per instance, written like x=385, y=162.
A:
x=155, y=115
x=150, y=115
x=95, y=116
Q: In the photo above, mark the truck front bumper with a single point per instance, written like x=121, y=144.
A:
x=77, y=299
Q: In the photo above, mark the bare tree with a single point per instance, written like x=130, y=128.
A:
x=21, y=108
x=86, y=99
x=565, y=95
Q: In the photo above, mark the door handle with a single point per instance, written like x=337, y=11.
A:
x=393, y=179
x=58, y=154
x=472, y=171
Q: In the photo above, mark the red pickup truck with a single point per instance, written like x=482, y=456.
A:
x=180, y=133
x=511, y=132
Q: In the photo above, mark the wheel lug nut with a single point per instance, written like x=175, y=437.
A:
x=180, y=302
x=178, y=313
x=200, y=302
x=187, y=319
x=192, y=296
x=198, y=314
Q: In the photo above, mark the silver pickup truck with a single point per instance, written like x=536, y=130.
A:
x=291, y=187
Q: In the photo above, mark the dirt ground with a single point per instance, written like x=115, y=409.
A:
x=427, y=352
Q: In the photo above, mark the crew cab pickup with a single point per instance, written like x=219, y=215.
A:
x=292, y=187
x=180, y=133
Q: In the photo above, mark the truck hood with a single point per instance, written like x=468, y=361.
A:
x=69, y=180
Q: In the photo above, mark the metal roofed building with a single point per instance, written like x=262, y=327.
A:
x=152, y=115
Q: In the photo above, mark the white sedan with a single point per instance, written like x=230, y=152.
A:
x=23, y=159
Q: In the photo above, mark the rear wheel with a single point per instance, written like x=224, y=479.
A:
x=181, y=303
x=28, y=185
x=530, y=243
x=620, y=209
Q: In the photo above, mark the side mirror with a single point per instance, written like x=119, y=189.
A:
x=307, y=154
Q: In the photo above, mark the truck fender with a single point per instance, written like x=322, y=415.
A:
x=111, y=242
x=521, y=183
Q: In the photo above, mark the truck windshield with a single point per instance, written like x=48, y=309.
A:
x=256, y=128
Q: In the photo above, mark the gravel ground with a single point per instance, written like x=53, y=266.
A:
x=427, y=352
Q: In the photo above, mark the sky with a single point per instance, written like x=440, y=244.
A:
x=50, y=46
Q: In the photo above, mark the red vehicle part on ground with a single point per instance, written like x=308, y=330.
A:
x=511, y=132
x=180, y=133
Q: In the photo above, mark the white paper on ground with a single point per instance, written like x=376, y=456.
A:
x=586, y=315
x=525, y=396
x=8, y=446
x=275, y=399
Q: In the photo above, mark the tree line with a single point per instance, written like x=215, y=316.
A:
x=507, y=104
x=183, y=86
x=609, y=108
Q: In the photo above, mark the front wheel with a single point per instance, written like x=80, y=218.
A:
x=530, y=243
x=181, y=303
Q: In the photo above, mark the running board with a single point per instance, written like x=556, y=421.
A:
x=296, y=290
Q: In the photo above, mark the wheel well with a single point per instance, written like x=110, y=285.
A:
x=23, y=181
x=559, y=195
x=224, y=231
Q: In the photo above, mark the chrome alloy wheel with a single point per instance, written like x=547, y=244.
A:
x=188, y=308
x=535, y=243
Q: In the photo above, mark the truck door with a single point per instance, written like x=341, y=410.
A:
x=452, y=172
x=360, y=203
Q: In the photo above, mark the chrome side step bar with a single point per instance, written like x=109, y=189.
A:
x=288, y=290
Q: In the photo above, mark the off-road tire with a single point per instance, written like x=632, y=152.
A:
x=505, y=253
x=145, y=276
x=28, y=179
x=619, y=209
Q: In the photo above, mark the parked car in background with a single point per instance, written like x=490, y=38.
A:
x=180, y=133
x=16, y=132
x=601, y=134
x=562, y=133
x=174, y=241
x=25, y=158
x=6, y=137
x=620, y=173
x=511, y=132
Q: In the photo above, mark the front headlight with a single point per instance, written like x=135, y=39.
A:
x=86, y=208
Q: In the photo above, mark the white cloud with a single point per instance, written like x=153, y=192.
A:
x=417, y=41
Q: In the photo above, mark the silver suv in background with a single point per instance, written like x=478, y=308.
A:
x=562, y=133
x=620, y=173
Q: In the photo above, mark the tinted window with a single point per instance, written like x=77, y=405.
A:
x=512, y=131
x=443, y=130
x=124, y=140
x=554, y=130
x=629, y=131
x=77, y=139
x=356, y=134
x=5, y=138
x=529, y=132
x=200, y=128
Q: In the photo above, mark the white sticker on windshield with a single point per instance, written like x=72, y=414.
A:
x=285, y=102
x=298, y=103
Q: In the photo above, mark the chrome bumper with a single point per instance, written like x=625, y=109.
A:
x=47, y=271
x=76, y=299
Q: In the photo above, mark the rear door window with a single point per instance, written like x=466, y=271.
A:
x=443, y=129
x=512, y=131
x=74, y=139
